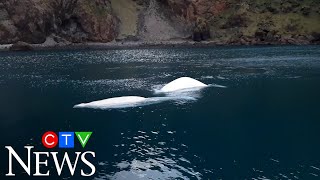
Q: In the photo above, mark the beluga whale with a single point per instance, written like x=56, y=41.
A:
x=115, y=102
x=128, y=101
x=182, y=83
x=177, y=90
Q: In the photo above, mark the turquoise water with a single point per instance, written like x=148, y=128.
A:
x=264, y=125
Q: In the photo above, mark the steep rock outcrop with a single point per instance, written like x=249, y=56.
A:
x=193, y=9
x=21, y=46
x=252, y=22
x=160, y=24
x=76, y=20
x=97, y=20
x=31, y=18
x=201, y=30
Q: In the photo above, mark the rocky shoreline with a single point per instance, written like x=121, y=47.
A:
x=52, y=45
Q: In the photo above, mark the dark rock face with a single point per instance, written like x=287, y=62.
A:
x=205, y=35
x=76, y=20
x=239, y=20
x=201, y=30
x=29, y=19
x=8, y=33
x=197, y=36
x=192, y=9
x=96, y=20
x=21, y=46
x=251, y=22
x=315, y=37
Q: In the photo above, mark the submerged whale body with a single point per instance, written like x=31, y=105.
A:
x=116, y=102
x=128, y=101
x=182, y=84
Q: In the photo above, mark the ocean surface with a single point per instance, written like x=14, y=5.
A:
x=258, y=119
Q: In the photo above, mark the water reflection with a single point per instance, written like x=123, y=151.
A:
x=152, y=156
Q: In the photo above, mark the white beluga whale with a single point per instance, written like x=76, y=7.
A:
x=182, y=83
x=180, y=90
x=128, y=101
x=116, y=102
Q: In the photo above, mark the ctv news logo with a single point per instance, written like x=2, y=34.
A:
x=50, y=140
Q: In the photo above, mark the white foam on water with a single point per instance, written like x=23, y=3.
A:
x=220, y=77
x=217, y=86
x=316, y=175
x=314, y=167
x=274, y=160
x=207, y=77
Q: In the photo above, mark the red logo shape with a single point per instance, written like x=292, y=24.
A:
x=49, y=139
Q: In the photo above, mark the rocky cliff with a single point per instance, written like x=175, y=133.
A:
x=219, y=21
x=251, y=21
x=75, y=20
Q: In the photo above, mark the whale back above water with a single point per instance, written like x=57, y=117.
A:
x=182, y=84
x=129, y=101
x=113, y=102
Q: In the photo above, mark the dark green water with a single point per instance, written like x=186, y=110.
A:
x=264, y=125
